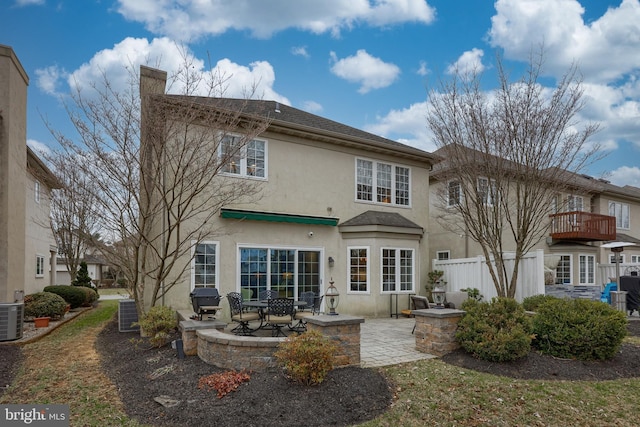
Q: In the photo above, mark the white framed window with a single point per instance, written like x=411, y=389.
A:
x=39, y=265
x=249, y=161
x=397, y=270
x=36, y=191
x=443, y=255
x=204, y=265
x=384, y=183
x=454, y=193
x=612, y=258
x=635, y=259
x=563, y=270
x=487, y=191
x=575, y=203
x=621, y=212
x=358, y=269
x=587, y=269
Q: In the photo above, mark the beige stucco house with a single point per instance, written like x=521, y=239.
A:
x=581, y=220
x=27, y=246
x=336, y=203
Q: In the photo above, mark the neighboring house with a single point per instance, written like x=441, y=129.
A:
x=592, y=213
x=40, y=246
x=96, y=266
x=27, y=246
x=338, y=203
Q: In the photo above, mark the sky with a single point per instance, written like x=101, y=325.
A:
x=369, y=64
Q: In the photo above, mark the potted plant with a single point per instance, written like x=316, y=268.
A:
x=44, y=305
x=41, y=322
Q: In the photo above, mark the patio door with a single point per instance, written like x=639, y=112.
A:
x=289, y=271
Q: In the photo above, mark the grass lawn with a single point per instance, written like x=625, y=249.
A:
x=64, y=368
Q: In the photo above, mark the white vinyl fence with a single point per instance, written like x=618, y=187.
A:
x=605, y=272
x=465, y=273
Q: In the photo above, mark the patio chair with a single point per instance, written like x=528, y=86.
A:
x=312, y=307
x=268, y=294
x=240, y=316
x=419, y=303
x=279, y=314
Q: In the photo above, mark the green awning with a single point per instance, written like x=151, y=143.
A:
x=278, y=217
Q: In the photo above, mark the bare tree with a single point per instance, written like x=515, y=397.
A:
x=508, y=154
x=74, y=219
x=156, y=161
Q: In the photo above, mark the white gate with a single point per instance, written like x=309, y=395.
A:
x=465, y=273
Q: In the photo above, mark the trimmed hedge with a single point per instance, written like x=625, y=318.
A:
x=71, y=294
x=90, y=296
x=497, y=331
x=44, y=304
x=579, y=328
x=533, y=302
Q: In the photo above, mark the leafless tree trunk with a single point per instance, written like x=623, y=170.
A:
x=155, y=162
x=508, y=154
x=73, y=214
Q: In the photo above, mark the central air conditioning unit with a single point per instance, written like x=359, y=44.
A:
x=11, y=321
x=127, y=315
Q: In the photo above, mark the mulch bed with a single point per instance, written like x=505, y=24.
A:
x=348, y=396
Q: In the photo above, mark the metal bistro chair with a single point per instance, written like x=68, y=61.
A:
x=240, y=316
x=268, y=294
x=419, y=303
x=279, y=314
x=311, y=309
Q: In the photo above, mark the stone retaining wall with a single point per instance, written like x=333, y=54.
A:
x=344, y=330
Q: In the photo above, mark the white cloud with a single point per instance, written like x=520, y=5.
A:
x=605, y=49
x=626, y=175
x=469, y=63
x=40, y=148
x=188, y=20
x=423, y=70
x=125, y=58
x=312, y=107
x=370, y=72
x=21, y=3
x=408, y=125
x=48, y=79
x=300, y=51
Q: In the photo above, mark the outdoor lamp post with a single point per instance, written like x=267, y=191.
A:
x=332, y=296
x=438, y=295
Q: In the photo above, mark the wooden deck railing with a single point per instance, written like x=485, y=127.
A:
x=583, y=226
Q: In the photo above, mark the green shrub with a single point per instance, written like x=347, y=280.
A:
x=82, y=277
x=533, y=302
x=90, y=296
x=44, y=304
x=579, y=328
x=158, y=323
x=474, y=293
x=307, y=358
x=74, y=296
x=497, y=331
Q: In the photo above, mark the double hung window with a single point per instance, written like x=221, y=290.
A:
x=454, y=193
x=563, y=270
x=359, y=269
x=204, y=265
x=487, y=191
x=397, y=270
x=247, y=160
x=382, y=183
x=39, y=266
x=621, y=212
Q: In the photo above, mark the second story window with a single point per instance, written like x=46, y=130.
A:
x=574, y=203
x=453, y=193
x=621, y=212
x=249, y=160
x=36, y=189
x=487, y=191
x=382, y=183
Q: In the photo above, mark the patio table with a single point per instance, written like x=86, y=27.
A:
x=262, y=306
